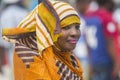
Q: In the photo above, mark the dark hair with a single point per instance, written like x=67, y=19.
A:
x=108, y=4
x=81, y=1
x=102, y=2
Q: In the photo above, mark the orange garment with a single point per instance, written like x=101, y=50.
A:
x=45, y=68
x=36, y=57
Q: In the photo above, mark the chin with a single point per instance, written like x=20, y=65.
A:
x=70, y=49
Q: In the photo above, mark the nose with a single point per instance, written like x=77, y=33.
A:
x=75, y=32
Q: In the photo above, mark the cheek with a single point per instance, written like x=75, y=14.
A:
x=61, y=42
x=64, y=36
x=79, y=33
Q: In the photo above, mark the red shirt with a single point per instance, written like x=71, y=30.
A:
x=109, y=25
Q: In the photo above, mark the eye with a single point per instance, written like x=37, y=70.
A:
x=66, y=28
x=77, y=27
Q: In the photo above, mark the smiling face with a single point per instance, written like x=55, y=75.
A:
x=69, y=38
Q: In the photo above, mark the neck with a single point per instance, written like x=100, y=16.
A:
x=57, y=47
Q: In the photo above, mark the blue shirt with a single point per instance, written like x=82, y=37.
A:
x=96, y=41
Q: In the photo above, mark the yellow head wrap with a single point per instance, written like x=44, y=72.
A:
x=45, y=21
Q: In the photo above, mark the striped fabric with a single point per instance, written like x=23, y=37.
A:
x=65, y=72
x=43, y=25
x=27, y=48
x=63, y=10
x=35, y=57
x=34, y=40
x=74, y=62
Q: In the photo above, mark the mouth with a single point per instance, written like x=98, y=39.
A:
x=73, y=41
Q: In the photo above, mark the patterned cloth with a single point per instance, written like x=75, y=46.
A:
x=35, y=56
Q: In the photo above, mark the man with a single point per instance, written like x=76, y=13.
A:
x=81, y=50
x=100, y=36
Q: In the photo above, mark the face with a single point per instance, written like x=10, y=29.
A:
x=69, y=38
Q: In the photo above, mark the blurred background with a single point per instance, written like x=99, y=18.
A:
x=98, y=48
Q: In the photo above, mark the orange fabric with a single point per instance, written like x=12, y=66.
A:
x=14, y=31
x=41, y=69
x=65, y=58
x=34, y=57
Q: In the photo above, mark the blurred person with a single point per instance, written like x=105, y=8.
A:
x=81, y=50
x=101, y=34
x=2, y=59
x=44, y=43
x=116, y=17
x=3, y=63
x=93, y=6
x=0, y=7
x=12, y=13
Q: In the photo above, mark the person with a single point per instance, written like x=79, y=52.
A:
x=116, y=17
x=2, y=58
x=1, y=6
x=81, y=50
x=101, y=33
x=12, y=13
x=1, y=48
x=8, y=19
x=44, y=43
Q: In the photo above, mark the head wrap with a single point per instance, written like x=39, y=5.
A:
x=34, y=38
x=45, y=21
